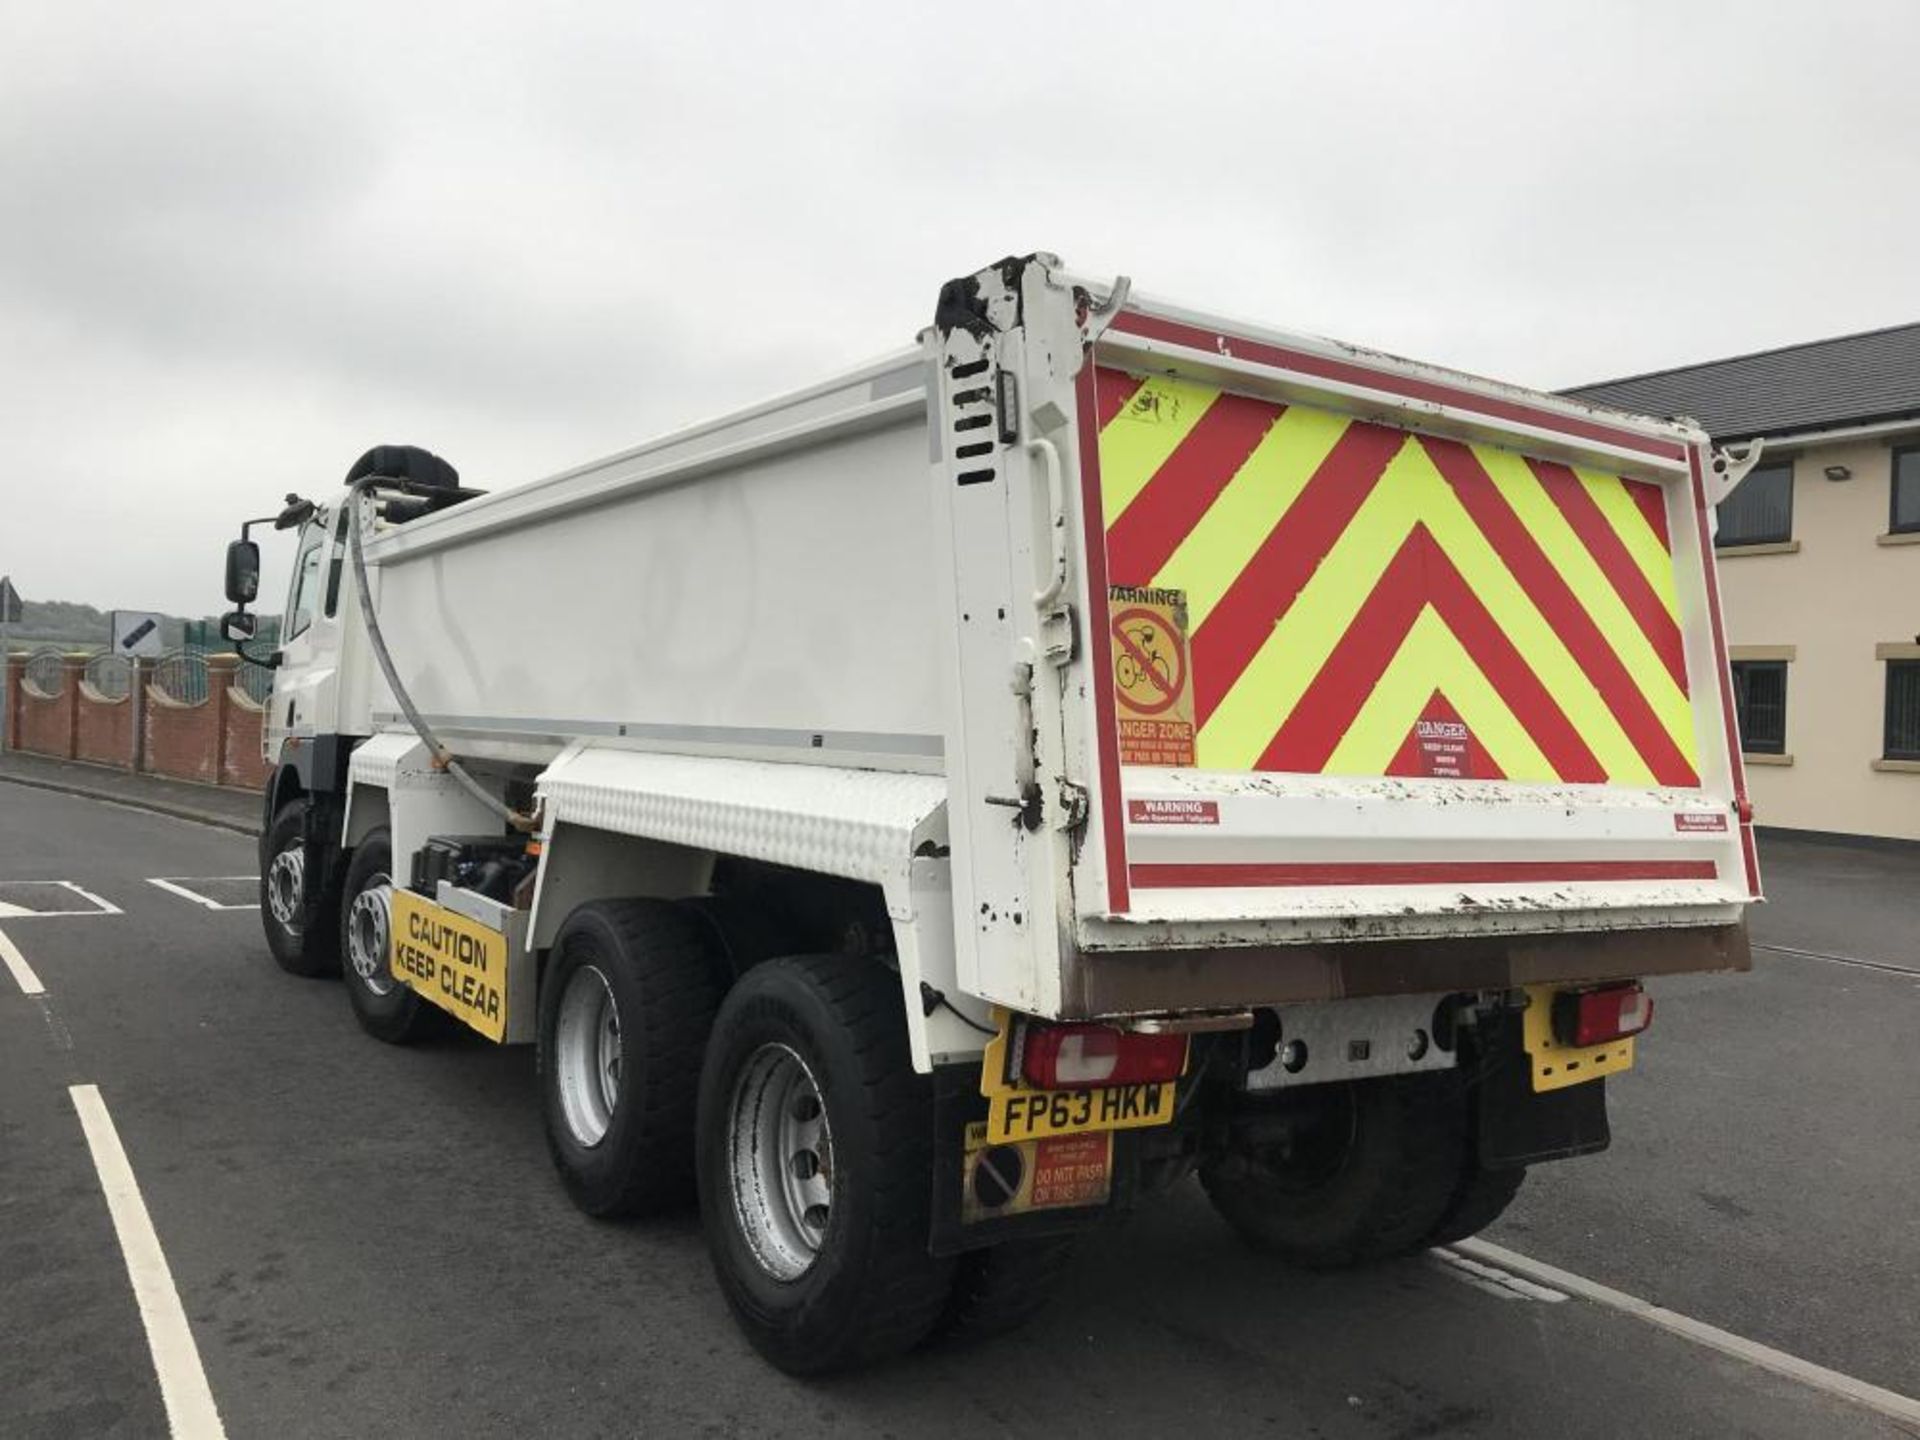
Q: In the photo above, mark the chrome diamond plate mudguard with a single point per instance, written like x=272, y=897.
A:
x=857, y=824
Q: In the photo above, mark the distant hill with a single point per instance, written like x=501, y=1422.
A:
x=72, y=625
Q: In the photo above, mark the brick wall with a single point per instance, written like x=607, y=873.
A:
x=43, y=724
x=216, y=742
x=104, y=732
x=181, y=740
x=241, y=765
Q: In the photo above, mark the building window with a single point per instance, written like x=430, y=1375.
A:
x=1760, y=509
x=1760, y=704
x=1906, y=492
x=1903, y=710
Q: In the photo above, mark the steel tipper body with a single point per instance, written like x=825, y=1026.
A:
x=1101, y=743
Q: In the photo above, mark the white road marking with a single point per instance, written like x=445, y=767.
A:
x=1890, y=1403
x=9, y=910
x=191, y=1414
x=1503, y=1283
x=1852, y=960
x=178, y=886
x=106, y=908
x=17, y=966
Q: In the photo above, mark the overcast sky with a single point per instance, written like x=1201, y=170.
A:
x=240, y=243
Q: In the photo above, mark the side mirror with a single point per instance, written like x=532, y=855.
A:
x=243, y=571
x=237, y=625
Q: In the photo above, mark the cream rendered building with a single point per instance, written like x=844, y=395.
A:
x=1819, y=554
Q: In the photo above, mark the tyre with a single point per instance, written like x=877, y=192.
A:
x=626, y=1004
x=999, y=1289
x=1371, y=1170
x=815, y=1151
x=405, y=462
x=300, y=927
x=1480, y=1198
x=386, y=1009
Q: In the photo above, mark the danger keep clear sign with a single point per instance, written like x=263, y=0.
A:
x=1152, y=675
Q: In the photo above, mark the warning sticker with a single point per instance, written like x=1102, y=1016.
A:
x=1057, y=1172
x=1699, y=822
x=1152, y=675
x=1173, y=812
x=1441, y=746
x=457, y=963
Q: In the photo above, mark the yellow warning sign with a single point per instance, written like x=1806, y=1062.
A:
x=1055, y=1172
x=1152, y=675
x=458, y=964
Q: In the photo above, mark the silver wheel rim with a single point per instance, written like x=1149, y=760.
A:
x=586, y=1059
x=780, y=1161
x=367, y=932
x=286, y=878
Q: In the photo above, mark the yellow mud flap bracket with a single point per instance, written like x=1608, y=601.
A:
x=467, y=954
x=1557, y=1065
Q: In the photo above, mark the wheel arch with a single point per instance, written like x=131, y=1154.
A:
x=620, y=824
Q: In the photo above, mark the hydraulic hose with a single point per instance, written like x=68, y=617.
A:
x=442, y=756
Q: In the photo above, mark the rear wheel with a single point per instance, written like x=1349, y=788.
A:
x=1001, y=1288
x=1480, y=1199
x=815, y=1148
x=626, y=1004
x=1370, y=1171
x=386, y=1009
x=300, y=926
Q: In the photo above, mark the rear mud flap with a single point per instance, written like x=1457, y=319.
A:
x=1520, y=1126
x=987, y=1195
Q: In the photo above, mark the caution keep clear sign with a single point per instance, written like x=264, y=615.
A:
x=457, y=963
x=1152, y=675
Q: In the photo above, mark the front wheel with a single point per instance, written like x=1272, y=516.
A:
x=386, y=1009
x=815, y=1148
x=299, y=924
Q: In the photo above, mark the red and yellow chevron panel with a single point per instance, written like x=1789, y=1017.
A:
x=1365, y=600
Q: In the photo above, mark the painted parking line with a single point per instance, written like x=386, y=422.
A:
x=1885, y=966
x=1890, y=1403
x=44, y=899
x=1501, y=1284
x=17, y=967
x=191, y=1413
x=206, y=890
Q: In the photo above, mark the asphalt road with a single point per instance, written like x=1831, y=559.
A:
x=369, y=1241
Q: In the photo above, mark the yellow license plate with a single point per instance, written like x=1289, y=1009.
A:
x=1018, y=1112
x=1014, y=1115
x=452, y=961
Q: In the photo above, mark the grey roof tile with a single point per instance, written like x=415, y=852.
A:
x=1820, y=385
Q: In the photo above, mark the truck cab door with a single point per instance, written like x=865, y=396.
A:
x=305, y=691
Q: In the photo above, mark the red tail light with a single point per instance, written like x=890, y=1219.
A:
x=1078, y=1057
x=1596, y=1017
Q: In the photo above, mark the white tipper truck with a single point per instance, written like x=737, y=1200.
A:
x=933, y=811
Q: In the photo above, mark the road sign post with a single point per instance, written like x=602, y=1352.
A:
x=10, y=608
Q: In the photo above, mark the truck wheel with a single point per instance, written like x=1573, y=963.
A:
x=386, y=1009
x=300, y=935
x=626, y=1004
x=815, y=1147
x=1001, y=1288
x=1372, y=1168
x=1480, y=1199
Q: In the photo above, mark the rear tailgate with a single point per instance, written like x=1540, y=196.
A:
x=1389, y=652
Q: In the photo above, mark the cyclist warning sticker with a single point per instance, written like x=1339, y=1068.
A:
x=1055, y=1172
x=1152, y=675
